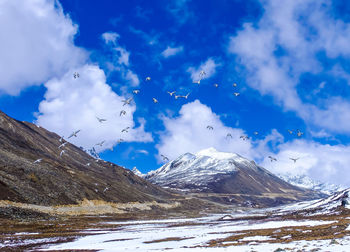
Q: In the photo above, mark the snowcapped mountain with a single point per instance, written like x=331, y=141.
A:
x=306, y=182
x=137, y=172
x=211, y=171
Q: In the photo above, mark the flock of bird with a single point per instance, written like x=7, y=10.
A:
x=128, y=101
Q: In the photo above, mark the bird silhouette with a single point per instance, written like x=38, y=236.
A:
x=136, y=91
x=126, y=129
x=148, y=78
x=100, y=120
x=62, y=145
x=299, y=133
x=127, y=101
x=294, y=159
x=171, y=93
x=210, y=127
x=244, y=137
x=272, y=158
x=76, y=75
x=37, y=161
x=164, y=157
x=123, y=112
x=74, y=134
x=155, y=100
x=101, y=143
x=236, y=94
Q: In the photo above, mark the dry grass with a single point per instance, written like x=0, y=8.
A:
x=288, y=234
x=91, y=207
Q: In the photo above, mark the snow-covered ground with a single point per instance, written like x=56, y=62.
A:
x=189, y=235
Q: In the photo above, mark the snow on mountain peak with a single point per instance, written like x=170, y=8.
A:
x=213, y=153
x=198, y=169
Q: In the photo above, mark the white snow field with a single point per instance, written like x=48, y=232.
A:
x=191, y=234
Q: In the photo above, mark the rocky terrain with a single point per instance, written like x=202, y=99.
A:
x=60, y=180
x=227, y=178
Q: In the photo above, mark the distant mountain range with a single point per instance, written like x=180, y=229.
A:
x=229, y=178
x=306, y=182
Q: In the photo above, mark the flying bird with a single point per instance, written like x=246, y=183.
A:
x=236, y=94
x=76, y=75
x=216, y=85
x=234, y=84
x=62, y=145
x=123, y=112
x=244, y=137
x=164, y=157
x=290, y=131
x=155, y=100
x=171, y=93
x=228, y=135
x=272, y=158
x=62, y=152
x=299, y=133
x=148, y=78
x=100, y=144
x=256, y=133
x=202, y=73
x=294, y=159
x=120, y=141
x=136, y=91
x=210, y=127
x=74, y=134
x=182, y=96
x=127, y=101
x=37, y=161
x=126, y=129
x=101, y=120
x=61, y=139
x=197, y=82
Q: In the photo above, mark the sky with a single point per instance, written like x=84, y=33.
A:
x=287, y=60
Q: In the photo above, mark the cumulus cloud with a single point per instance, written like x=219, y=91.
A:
x=171, y=51
x=121, y=62
x=188, y=133
x=72, y=104
x=324, y=162
x=209, y=67
x=286, y=44
x=37, y=43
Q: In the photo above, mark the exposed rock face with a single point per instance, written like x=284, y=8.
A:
x=61, y=180
x=228, y=176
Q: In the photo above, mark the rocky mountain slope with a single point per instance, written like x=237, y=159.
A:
x=227, y=177
x=65, y=179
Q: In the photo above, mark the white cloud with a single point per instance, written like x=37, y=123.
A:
x=209, y=67
x=284, y=45
x=71, y=104
x=36, y=44
x=121, y=64
x=322, y=162
x=188, y=133
x=171, y=51
x=110, y=37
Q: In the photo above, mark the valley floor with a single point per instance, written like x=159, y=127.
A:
x=288, y=228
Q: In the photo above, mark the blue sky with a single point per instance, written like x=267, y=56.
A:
x=289, y=61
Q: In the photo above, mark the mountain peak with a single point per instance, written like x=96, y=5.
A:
x=213, y=153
